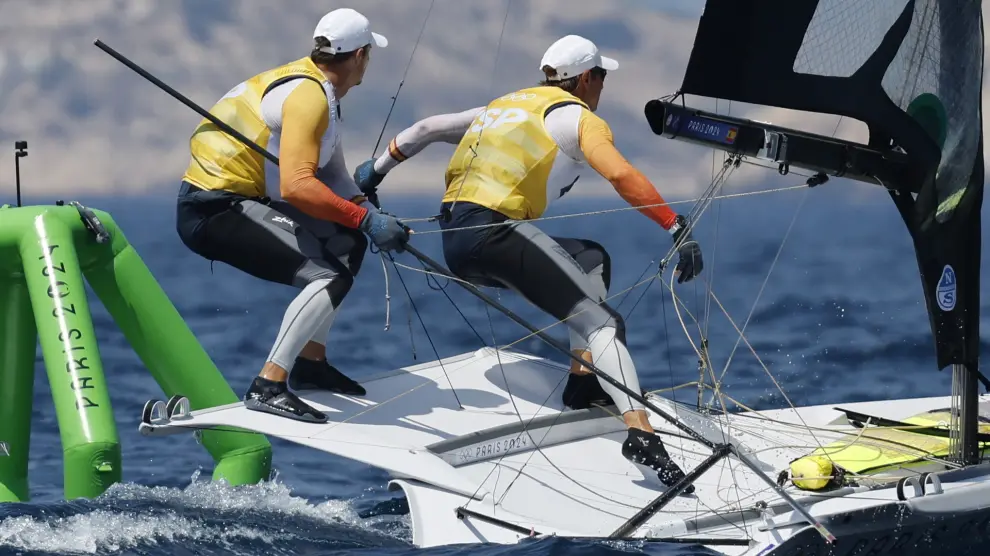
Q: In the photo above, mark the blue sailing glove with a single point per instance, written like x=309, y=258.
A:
x=689, y=263
x=367, y=180
x=385, y=231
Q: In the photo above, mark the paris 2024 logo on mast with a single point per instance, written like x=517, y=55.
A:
x=945, y=292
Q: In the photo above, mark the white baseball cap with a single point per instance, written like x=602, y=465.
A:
x=347, y=30
x=573, y=55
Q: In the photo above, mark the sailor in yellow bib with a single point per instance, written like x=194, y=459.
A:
x=297, y=223
x=518, y=167
x=514, y=157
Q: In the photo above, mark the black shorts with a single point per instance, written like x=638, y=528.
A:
x=271, y=240
x=552, y=273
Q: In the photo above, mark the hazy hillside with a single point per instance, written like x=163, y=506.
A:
x=94, y=125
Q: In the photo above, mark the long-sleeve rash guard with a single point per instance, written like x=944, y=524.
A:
x=305, y=118
x=579, y=134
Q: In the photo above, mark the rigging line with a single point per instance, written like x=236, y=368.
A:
x=767, y=370
x=774, y=168
x=403, y=80
x=666, y=339
x=443, y=290
x=663, y=261
x=801, y=432
x=717, y=383
x=719, y=451
x=727, y=169
x=427, y=332
x=491, y=86
x=604, y=211
x=727, y=424
x=705, y=361
x=694, y=215
x=698, y=350
x=845, y=430
x=724, y=172
x=549, y=326
x=536, y=445
x=388, y=297
x=712, y=510
x=773, y=264
x=374, y=196
x=763, y=286
x=497, y=464
x=412, y=339
x=647, y=281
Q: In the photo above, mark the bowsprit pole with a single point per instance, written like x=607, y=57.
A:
x=434, y=266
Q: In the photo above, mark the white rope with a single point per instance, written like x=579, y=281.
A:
x=388, y=297
x=604, y=211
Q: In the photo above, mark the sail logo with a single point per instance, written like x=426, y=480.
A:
x=945, y=292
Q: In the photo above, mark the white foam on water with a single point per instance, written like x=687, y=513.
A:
x=107, y=529
x=267, y=497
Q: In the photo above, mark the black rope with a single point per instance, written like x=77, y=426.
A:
x=425, y=331
x=443, y=290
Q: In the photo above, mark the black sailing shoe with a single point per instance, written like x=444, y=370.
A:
x=646, y=449
x=307, y=374
x=584, y=391
x=273, y=397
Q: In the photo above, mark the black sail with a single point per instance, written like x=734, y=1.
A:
x=912, y=72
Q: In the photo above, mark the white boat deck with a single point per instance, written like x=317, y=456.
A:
x=478, y=455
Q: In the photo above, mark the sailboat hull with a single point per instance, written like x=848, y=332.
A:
x=485, y=453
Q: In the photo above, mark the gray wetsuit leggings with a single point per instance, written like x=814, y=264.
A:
x=274, y=241
x=567, y=278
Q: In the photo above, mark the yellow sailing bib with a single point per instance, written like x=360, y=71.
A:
x=220, y=161
x=503, y=162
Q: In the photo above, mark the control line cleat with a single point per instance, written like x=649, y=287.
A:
x=178, y=408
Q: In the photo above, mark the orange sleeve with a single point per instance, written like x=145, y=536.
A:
x=305, y=117
x=595, y=139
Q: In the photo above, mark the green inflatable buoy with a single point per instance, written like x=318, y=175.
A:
x=928, y=111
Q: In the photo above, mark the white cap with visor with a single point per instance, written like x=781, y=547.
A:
x=573, y=55
x=347, y=30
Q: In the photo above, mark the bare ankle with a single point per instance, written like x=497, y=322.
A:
x=637, y=420
x=271, y=371
x=577, y=368
x=313, y=351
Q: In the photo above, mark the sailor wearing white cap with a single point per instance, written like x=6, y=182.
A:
x=302, y=222
x=513, y=158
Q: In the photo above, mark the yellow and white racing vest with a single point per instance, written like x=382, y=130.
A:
x=220, y=161
x=507, y=161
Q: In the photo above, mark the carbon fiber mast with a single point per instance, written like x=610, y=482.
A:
x=912, y=72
